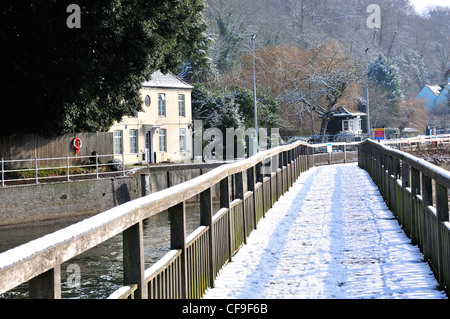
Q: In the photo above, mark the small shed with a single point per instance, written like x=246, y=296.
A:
x=345, y=121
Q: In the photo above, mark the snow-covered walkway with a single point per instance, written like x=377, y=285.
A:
x=330, y=236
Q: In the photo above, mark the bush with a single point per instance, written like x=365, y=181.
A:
x=115, y=164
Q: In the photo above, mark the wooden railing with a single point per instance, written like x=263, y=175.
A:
x=417, y=192
x=194, y=261
x=418, y=141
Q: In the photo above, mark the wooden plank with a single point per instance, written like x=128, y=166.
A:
x=47, y=285
x=133, y=259
x=206, y=219
x=177, y=216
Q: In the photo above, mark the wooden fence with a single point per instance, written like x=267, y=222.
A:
x=417, y=193
x=20, y=149
x=194, y=261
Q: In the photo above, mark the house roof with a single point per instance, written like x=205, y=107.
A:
x=345, y=112
x=436, y=89
x=168, y=80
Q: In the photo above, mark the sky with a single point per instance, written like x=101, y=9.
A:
x=422, y=4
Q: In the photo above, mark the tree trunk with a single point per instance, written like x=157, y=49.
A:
x=323, y=128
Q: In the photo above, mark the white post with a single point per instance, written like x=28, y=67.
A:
x=96, y=165
x=68, y=167
x=3, y=172
x=36, y=170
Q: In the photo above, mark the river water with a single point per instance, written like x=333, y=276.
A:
x=100, y=267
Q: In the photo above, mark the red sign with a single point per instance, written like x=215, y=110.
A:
x=378, y=133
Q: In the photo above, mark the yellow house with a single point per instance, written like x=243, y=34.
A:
x=163, y=131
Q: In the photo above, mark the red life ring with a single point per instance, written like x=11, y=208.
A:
x=77, y=144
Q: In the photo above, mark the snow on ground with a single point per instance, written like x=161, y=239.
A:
x=330, y=236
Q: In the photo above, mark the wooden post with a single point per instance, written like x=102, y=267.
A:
x=260, y=179
x=239, y=180
x=225, y=203
x=133, y=259
x=415, y=181
x=47, y=285
x=396, y=168
x=442, y=216
x=405, y=174
x=405, y=184
x=427, y=200
x=251, y=181
x=427, y=191
x=442, y=203
x=177, y=216
x=206, y=219
x=280, y=166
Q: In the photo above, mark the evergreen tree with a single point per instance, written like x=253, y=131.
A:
x=384, y=73
x=267, y=109
x=216, y=109
x=58, y=79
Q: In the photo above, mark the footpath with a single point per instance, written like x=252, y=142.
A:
x=331, y=236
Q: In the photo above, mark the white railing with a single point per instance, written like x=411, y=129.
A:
x=426, y=139
x=93, y=164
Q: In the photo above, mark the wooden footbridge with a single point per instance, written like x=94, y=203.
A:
x=415, y=191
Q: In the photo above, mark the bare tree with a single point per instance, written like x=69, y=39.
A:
x=325, y=82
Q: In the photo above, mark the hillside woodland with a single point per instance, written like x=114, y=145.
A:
x=312, y=56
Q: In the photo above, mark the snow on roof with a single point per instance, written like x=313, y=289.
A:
x=436, y=89
x=169, y=80
x=345, y=112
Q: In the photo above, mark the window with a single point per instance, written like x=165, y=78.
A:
x=345, y=125
x=357, y=125
x=162, y=140
x=348, y=125
x=181, y=105
x=133, y=141
x=351, y=125
x=147, y=101
x=118, y=142
x=161, y=104
x=182, y=139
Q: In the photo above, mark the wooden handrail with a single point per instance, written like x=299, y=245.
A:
x=437, y=173
x=419, y=139
x=420, y=205
x=46, y=254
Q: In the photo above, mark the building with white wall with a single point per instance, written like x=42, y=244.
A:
x=162, y=132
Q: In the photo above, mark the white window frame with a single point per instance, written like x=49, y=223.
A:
x=133, y=141
x=350, y=125
x=118, y=142
x=182, y=139
x=162, y=140
x=181, y=105
x=161, y=104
